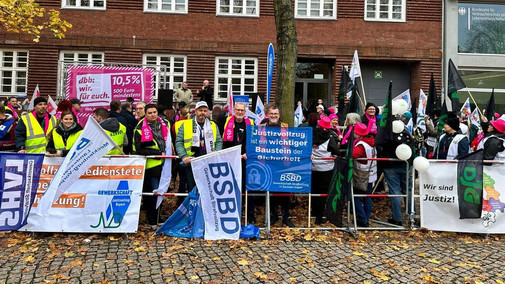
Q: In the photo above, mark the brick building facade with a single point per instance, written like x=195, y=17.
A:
x=196, y=39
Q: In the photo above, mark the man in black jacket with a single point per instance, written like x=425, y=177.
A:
x=206, y=94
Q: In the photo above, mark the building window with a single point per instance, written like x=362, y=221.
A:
x=84, y=4
x=170, y=69
x=316, y=9
x=238, y=7
x=14, y=72
x=166, y=6
x=81, y=57
x=242, y=72
x=385, y=10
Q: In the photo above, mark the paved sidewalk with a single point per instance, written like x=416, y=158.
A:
x=290, y=256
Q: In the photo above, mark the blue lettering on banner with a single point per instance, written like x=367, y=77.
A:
x=278, y=159
x=116, y=210
x=19, y=178
x=83, y=143
x=226, y=205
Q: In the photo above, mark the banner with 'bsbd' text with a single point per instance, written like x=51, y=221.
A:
x=278, y=159
x=106, y=198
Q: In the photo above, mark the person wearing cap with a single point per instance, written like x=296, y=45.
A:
x=76, y=107
x=34, y=127
x=7, y=131
x=452, y=144
x=364, y=147
x=494, y=143
x=196, y=137
x=323, y=145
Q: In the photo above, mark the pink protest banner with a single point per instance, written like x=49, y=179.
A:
x=97, y=86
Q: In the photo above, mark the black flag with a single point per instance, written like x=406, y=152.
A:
x=354, y=101
x=340, y=186
x=433, y=103
x=490, y=108
x=470, y=172
x=454, y=83
x=385, y=127
x=345, y=81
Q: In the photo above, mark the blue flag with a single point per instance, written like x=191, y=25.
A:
x=19, y=179
x=187, y=220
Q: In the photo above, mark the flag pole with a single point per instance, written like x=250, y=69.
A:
x=362, y=88
x=477, y=106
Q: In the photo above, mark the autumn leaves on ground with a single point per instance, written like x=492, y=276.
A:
x=290, y=255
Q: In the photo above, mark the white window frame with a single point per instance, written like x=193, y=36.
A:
x=160, y=10
x=76, y=55
x=244, y=9
x=321, y=10
x=14, y=69
x=78, y=5
x=242, y=76
x=170, y=73
x=377, y=18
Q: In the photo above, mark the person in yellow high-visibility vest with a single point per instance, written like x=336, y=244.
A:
x=150, y=137
x=64, y=135
x=116, y=130
x=33, y=128
x=197, y=137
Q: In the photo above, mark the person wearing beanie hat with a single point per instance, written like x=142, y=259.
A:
x=323, y=145
x=364, y=147
x=33, y=128
x=319, y=109
x=494, y=143
x=370, y=117
x=452, y=144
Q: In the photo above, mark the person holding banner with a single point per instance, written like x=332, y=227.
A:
x=274, y=121
x=7, y=127
x=33, y=128
x=235, y=129
x=494, y=143
x=149, y=140
x=197, y=137
x=64, y=135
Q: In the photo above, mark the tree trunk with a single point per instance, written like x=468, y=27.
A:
x=287, y=51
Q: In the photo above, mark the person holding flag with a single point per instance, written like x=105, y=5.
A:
x=149, y=139
x=64, y=135
x=33, y=128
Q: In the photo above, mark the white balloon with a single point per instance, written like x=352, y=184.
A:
x=403, y=152
x=395, y=106
x=398, y=126
x=421, y=164
x=404, y=106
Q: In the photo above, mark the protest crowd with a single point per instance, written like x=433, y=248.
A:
x=142, y=128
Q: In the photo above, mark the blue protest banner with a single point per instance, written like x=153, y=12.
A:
x=19, y=178
x=270, y=70
x=278, y=159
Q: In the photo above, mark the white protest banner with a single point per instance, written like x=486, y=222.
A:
x=166, y=172
x=92, y=144
x=106, y=198
x=218, y=177
x=298, y=115
x=260, y=109
x=36, y=94
x=404, y=96
x=439, y=200
x=355, y=68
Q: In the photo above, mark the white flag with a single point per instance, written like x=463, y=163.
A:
x=260, y=109
x=51, y=106
x=218, y=177
x=405, y=96
x=475, y=118
x=298, y=115
x=91, y=145
x=253, y=116
x=423, y=99
x=166, y=172
x=36, y=94
x=355, y=68
x=229, y=100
